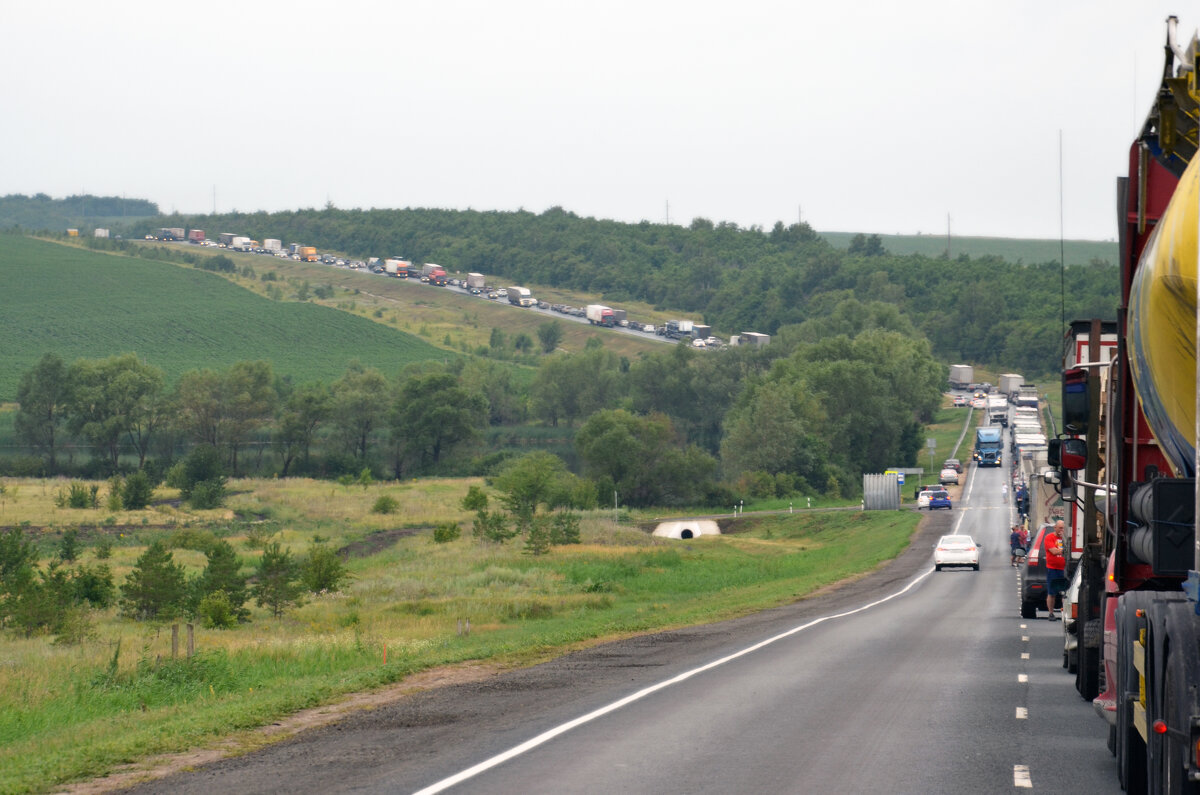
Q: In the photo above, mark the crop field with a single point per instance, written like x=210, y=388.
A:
x=1027, y=252
x=74, y=710
x=80, y=303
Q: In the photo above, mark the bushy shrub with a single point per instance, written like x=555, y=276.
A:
x=208, y=494
x=323, y=570
x=216, y=612
x=104, y=545
x=446, y=532
x=385, y=505
x=137, y=491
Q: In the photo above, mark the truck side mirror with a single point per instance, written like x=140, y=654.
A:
x=1073, y=454
x=1054, y=453
x=1075, y=403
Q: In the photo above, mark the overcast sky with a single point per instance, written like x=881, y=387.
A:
x=866, y=116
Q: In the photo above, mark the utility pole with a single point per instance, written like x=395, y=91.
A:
x=668, y=212
x=947, y=235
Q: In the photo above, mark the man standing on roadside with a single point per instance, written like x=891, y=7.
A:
x=1056, y=566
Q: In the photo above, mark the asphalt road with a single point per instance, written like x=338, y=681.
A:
x=907, y=681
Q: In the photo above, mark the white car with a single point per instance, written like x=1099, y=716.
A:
x=948, y=476
x=933, y=498
x=956, y=551
x=1070, y=622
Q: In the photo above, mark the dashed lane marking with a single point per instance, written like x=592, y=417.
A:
x=1022, y=678
x=1021, y=777
x=1024, y=655
x=1022, y=713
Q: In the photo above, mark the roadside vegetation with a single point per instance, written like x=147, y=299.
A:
x=104, y=689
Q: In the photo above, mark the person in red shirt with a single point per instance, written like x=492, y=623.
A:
x=1056, y=566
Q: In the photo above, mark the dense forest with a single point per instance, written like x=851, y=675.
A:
x=41, y=212
x=982, y=310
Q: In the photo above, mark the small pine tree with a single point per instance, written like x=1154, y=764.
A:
x=476, y=499
x=222, y=575
x=276, y=587
x=156, y=588
x=537, y=536
x=68, y=546
x=564, y=528
x=446, y=532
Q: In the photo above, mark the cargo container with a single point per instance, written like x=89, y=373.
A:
x=225, y=238
x=195, y=236
x=961, y=376
x=520, y=296
x=308, y=254
x=600, y=315
x=271, y=244
x=476, y=280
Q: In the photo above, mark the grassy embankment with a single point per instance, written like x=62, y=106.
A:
x=80, y=303
x=75, y=711
x=446, y=317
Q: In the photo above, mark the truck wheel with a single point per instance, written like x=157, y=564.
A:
x=1175, y=753
x=1131, y=749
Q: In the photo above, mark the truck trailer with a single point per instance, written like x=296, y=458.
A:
x=195, y=236
x=521, y=296
x=1128, y=460
x=600, y=315
x=1010, y=385
x=961, y=376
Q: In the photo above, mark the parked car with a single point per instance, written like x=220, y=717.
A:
x=948, y=476
x=956, y=551
x=952, y=463
x=1033, y=575
x=960, y=400
x=1070, y=616
x=934, y=499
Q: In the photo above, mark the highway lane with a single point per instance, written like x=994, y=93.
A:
x=940, y=689
x=919, y=694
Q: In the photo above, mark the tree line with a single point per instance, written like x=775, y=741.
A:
x=983, y=310
x=827, y=400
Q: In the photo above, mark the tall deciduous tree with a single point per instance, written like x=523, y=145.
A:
x=113, y=397
x=43, y=395
x=303, y=412
x=433, y=413
x=359, y=406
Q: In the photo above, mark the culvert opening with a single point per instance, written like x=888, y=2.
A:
x=685, y=533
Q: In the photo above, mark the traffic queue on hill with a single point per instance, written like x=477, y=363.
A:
x=695, y=334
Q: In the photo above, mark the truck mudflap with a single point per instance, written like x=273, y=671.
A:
x=1175, y=712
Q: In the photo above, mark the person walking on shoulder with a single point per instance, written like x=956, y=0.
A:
x=1016, y=541
x=1056, y=566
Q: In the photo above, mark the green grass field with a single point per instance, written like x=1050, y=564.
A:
x=74, y=711
x=79, y=303
x=1077, y=252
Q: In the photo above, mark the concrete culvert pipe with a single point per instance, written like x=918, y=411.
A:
x=693, y=528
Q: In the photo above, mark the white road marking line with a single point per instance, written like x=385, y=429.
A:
x=1021, y=777
x=1024, y=655
x=1022, y=678
x=1024, y=626
x=1024, y=638
x=1022, y=713
x=550, y=734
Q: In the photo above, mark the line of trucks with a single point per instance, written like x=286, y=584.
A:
x=697, y=334
x=1125, y=461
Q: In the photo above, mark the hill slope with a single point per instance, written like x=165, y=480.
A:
x=79, y=303
x=1014, y=250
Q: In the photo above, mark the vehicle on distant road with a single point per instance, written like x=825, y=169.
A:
x=948, y=476
x=952, y=463
x=960, y=400
x=933, y=499
x=956, y=551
